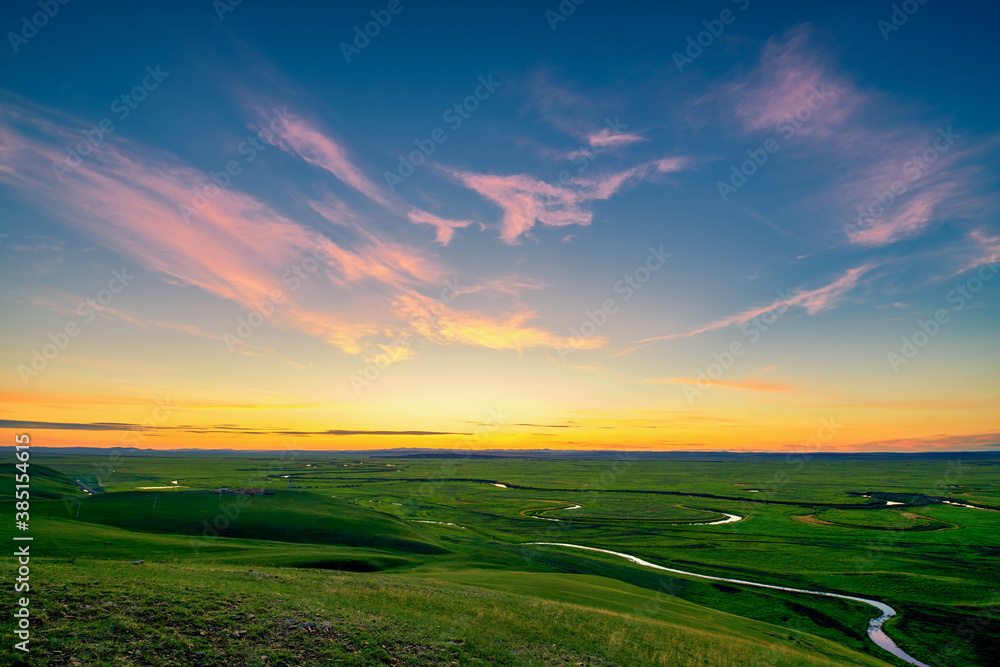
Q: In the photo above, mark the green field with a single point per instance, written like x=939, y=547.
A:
x=361, y=547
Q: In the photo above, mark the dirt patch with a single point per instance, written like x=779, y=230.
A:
x=524, y=512
x=812, y=519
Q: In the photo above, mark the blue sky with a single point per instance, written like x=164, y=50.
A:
x=581, y=150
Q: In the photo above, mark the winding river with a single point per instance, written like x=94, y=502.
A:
x=875, y=631
x=730, y=518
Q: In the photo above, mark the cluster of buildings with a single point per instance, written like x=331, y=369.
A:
x=246, y=491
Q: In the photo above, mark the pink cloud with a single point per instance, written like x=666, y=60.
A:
x=882, y=152
x=525, y=199
x=445, y=228
x=577, y=115
x=904, y=182
x=907, y=218
x=307, y=141
x=127, y=197
x=985, y=249
x=943, y=442
x=608, y=139
x=751, y=385
x=789, y=77
x=437, y=323
x=569, y=112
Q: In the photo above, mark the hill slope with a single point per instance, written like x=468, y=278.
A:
x=285, y=517
x=103, y=613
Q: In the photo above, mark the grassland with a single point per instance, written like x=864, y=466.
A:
x=347, y=522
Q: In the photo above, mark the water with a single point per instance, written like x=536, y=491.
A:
x=875, y=631
x=730, y=518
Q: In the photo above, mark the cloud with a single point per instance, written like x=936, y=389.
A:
x=128, y=196
x=892, y=174
x=19, y=424
x=789, y=76
x=445, y=228
x=584, y=117
x=982, y=247
x=608, y=139
x=571, y=113
x=751, y=385
x=812, y=301
x=526, y=200
x=306, y=140
x=437, y=323
x=945, y=442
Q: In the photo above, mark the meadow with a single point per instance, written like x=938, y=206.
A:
x=427, y=561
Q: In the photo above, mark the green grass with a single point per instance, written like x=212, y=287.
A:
x=882, y=519
x=45, y=482
x=355, y=514
x=101, y=613
x=286, y=516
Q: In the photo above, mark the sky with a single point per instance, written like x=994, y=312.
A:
x=655, y=226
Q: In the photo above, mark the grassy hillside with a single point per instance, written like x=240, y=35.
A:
x=284, y=517
x=815, y=530
x=113, y=613
x=45, y=482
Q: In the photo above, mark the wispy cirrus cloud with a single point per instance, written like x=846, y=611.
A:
x=68, y=304
x=585, y=117
x=812, y=301
x=526, y=200
x=214, y=428
x=608, y=139
x=985, y=249
x=893, y=175
x=126, y=196
x=750, y=385
x=943, y=442
x=791, y=75
x=317, y=147
x=511, y=331
x=445, y=228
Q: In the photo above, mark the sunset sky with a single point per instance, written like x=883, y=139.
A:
x=497, y=225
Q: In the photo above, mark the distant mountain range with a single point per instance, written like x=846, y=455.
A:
x=427, y=453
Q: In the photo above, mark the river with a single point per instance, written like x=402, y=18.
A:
x=875, y=631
